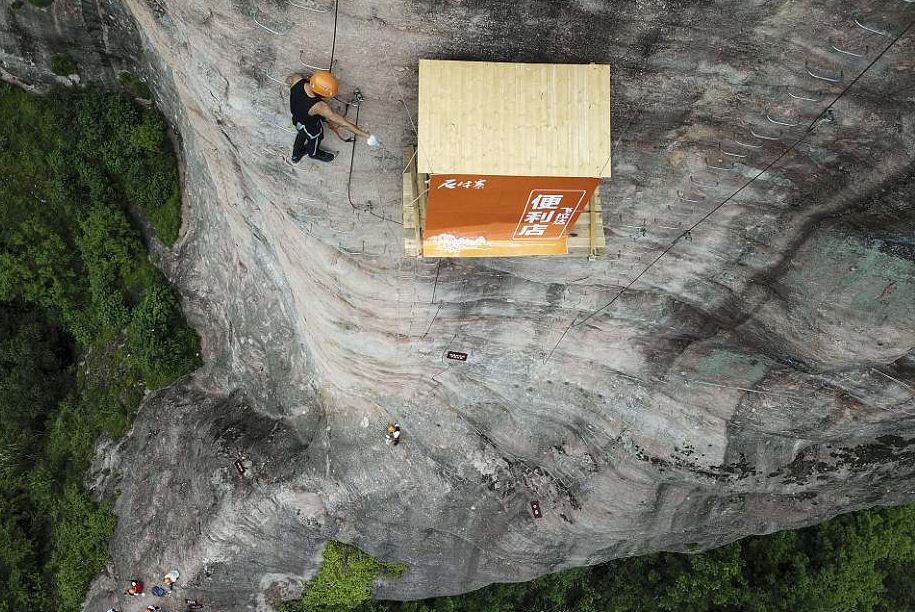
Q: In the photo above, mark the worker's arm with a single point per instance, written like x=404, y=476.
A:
x=324, y=110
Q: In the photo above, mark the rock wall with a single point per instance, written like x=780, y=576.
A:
x=758, y=377
x=100, y=36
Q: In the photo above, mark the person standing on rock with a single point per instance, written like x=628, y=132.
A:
x=393, y=434
x=309, y=109
x=136, y=588
x=170, y=579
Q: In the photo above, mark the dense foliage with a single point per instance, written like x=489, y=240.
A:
x=344, y=581
x=134, y=86
x=87, y=323
x=854, y=563
x=64, y=65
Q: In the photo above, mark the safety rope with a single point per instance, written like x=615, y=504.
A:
x=333, y=44
x=349, y=177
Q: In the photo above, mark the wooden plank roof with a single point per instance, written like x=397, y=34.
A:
x=511, y=119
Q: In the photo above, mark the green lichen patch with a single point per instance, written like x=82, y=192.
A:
x=853, y=273
x=732, y=365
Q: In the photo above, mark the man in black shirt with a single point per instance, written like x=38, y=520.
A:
x=308, y=109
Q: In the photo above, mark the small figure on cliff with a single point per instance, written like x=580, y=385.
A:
x=393, y=434
x=308, y=109
x=170, y=579
x=136, y=589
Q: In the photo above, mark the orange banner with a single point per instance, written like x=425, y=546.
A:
x=502, y=216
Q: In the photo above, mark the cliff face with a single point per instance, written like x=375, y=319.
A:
x=101, y=36
x=760, y=376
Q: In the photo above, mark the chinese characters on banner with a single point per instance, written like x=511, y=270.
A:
x=451, y=183
x=498, y=216
x=547, y=214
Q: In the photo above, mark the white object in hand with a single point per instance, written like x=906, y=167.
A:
x=372, y=140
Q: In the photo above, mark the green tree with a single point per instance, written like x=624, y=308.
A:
x=20, y=573
x=159, y=347
x=77, y=295
x=80, y=546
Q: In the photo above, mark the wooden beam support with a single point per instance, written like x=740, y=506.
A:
x=412, y=222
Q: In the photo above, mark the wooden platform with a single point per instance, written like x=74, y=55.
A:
x=586, y=239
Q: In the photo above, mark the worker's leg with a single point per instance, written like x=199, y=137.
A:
x=315, y=151
x=300, y=146
x=314, y=142
x=307, y=143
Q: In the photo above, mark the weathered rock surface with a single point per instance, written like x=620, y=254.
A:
x=760, y=376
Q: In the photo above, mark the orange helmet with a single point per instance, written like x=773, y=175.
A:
x=324, y=83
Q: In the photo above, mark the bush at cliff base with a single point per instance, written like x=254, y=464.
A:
x=344, y=581
x=859, y=562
